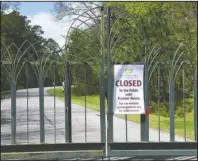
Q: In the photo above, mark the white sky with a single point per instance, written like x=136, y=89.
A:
x=40, y=13
x=52, y=28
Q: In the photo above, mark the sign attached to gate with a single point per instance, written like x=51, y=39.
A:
x=129, y=89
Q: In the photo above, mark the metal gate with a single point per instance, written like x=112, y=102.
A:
x=65, y=129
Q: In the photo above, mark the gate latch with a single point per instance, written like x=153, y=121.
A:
x=147, y=111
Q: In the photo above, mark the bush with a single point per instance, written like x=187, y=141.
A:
x=78, y=90
x=82, y=88
x=180, y=112
x=164, y=109
x=162, y=106
x=153, y=107
x=189, y=105
x=19, y=86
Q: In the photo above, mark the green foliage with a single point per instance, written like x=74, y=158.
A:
x=93, y=102
x=190, y=103
x=159, y=22
x=180, y=112
x=185, y=106
x=84, y=89
x=164, y=25
x=16, y=29
x=5, y=6
x=180, y=107
x=161, y=109
x=78, y=90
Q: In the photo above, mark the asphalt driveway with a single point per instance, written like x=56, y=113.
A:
x=78, y=122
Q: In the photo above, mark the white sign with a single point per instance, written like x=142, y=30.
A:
x=129, y=89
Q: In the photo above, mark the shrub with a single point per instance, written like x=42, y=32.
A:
x=19, y=86
x=180, y=112
x=163, y=108
x=153, y=107
x=78, y=90
x=189, y=105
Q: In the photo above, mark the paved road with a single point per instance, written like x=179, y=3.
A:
x=78, y=122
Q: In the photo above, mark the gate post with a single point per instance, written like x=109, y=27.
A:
x=67, y=91
x=41, y=104
x=143, y=118
x=102, y=92
x=13, y=109
x=195, y=104
x=109, y=78
x=69, y=107
x=171, y=107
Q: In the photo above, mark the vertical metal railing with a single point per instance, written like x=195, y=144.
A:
x=13, y=108
x=158, y=102
x=41, y=103
x=27, y=82
x=69, y=109
x=67, y=90
x=102, y=90
x=55, y=102
x=66, y=93
x=144, y=120
x=195, y=102
x=85, y=96
x=171, y=106
x=126, y=127
x=109, y=79
x=184, y=108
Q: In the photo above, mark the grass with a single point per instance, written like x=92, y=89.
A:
x=93, y=102
x=50, y=156
x=5, y=92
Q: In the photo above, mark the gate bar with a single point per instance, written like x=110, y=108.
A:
x=102, y=90
x=195, y=104
x=158, y=102
x=184, y=108
x=152, y=145
x=160, y=153
x=27, y=102
x=13, y=109
x=55, y=102
x=51, y=147
x=85, y=97
x=67, y=90
x=171, y=107
x=144, y=126
x=123, y=147
x=41, y=104
x=109, y=77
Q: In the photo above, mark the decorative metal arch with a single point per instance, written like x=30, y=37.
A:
x=89, y=61
x=123, y=14
x=12, y=66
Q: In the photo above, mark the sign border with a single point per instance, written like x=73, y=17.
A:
x=144, y=72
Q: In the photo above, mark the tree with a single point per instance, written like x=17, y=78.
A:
x=63, y=9
x=166, y=26
x=5, y=6
x=15, y=30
